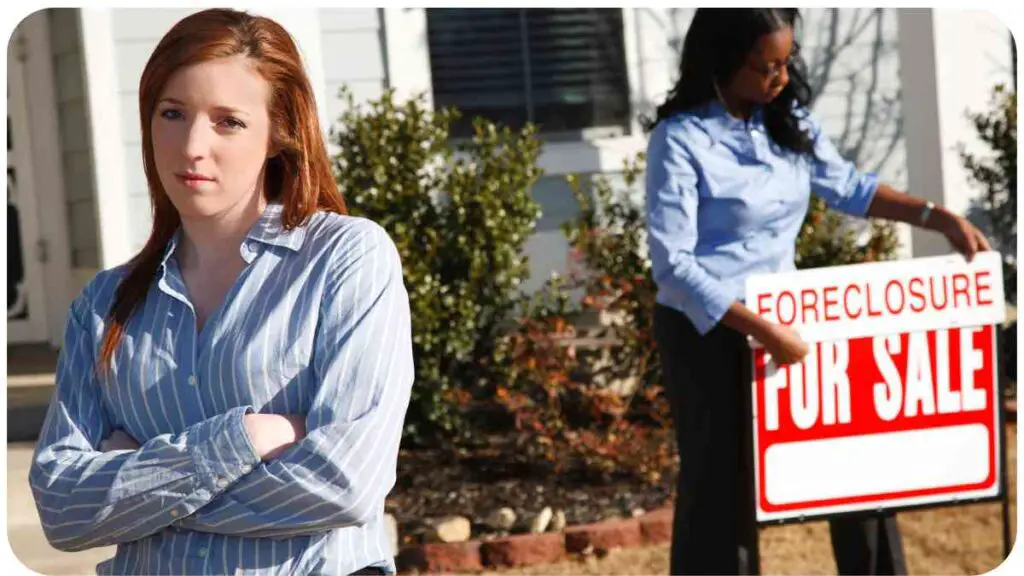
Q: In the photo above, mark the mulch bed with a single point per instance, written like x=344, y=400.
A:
x=473, y=484
x=435, y=483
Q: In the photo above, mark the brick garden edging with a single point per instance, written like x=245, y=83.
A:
x=650, y=529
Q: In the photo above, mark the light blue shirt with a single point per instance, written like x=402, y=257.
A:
x=724, y=202
x=317, y=324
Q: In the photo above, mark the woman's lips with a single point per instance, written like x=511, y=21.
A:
x=192, y=180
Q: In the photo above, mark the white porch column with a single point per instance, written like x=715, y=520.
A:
x=103, y=100
x=949, y=62
x=49, y=182
x=408, y=52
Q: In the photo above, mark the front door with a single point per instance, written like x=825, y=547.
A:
x=26, y=301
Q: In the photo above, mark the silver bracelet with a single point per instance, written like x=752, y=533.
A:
x=926, y=212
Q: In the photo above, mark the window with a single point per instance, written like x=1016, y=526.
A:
x=562, y=69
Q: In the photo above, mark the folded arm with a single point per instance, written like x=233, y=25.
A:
x=87, y=498
x=340, y=472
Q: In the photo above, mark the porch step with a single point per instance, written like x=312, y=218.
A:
x=31, y=359
x=30, y=380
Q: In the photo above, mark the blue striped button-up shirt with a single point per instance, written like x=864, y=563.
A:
x=724, y=201
x=316, y=324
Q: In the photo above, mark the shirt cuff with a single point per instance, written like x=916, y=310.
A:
x=226, y=452
x=711, y=313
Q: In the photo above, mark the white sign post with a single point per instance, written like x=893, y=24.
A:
x=898, y=403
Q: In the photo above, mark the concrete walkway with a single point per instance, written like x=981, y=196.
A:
x=30, y=371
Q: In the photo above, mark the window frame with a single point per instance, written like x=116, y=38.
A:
x=408, y=72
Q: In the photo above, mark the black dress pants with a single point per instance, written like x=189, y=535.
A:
x=707, y=381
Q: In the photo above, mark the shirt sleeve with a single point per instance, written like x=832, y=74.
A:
x=87, y=498
x=672, y=202
x=341, y=472
x=835, y=179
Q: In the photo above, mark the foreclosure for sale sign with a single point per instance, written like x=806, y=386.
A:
x=897, y=402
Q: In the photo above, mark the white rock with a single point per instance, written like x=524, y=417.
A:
x=558, y=521
x=540, y=521
x=450, y=529
x=392, y=527
x=501, y=519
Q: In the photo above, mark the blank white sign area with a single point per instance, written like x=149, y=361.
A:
x=876, y=464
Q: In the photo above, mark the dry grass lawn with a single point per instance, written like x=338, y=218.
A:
x=951, y=540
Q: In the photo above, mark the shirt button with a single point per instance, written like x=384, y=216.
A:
x=202, y=552
x=222, y=483
x=246, y=468
x=253, y=247
x=191, y=379
x=174, y=513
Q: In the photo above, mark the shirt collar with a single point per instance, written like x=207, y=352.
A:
x=268, y=229
x=718, y=122
x=171, y=246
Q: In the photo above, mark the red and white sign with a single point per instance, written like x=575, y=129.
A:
x=896, y=404
x=880, y=298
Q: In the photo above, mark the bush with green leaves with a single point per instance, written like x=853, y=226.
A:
x=594, y=408
x=574, y=411
x=827, y=238
x=459, y=213
x=997, y=175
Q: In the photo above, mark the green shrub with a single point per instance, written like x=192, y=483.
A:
x=460, y=213
x=826, y=239
x=605, y=411
x=595, y=408
x=997, y=174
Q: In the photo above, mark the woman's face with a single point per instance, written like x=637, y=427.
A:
x=763, y=75
x=211, y=137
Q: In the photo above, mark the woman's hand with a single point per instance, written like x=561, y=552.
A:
x=784, y=345
x=964, y=236
x=272, y=434
x=118, y=440
x=891, y=204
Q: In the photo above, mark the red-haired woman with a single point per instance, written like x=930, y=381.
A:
x=231, y=400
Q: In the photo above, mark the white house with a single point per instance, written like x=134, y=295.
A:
x=892, y=89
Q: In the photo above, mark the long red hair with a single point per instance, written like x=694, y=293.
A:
x=299, y=176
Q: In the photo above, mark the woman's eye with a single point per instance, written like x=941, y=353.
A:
x=233, y=123
x=171, y=114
